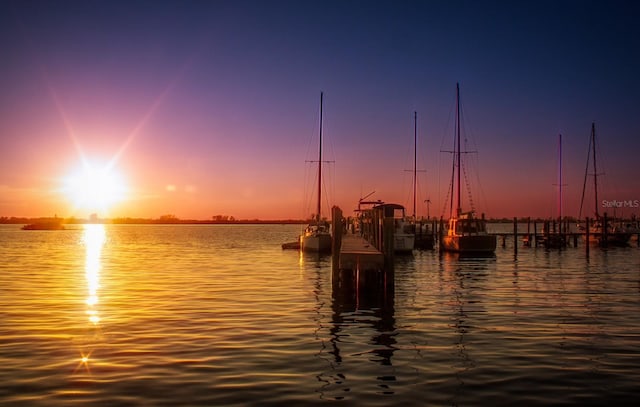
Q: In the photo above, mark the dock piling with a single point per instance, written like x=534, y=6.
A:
x=515, y=236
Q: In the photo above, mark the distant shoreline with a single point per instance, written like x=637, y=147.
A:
x=176, y=221
x=143, y=221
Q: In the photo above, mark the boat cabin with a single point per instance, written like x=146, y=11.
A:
x=467, y=224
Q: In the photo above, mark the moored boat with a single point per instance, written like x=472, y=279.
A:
x=468, y=234
x=603, y=231
x=317, y=235
x=465, y=232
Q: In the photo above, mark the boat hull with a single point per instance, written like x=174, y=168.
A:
x=404, y=243
x=316, y=243
x=469, y=244
x=44, y=226
x=610, y=239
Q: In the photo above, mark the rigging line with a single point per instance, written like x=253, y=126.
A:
x=467, y=186
x=332, y=183
x=446, y=198
x=479, y=189
x=584, y=183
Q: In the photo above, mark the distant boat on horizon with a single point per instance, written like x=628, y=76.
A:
x=465, y=232
x=317, y=235
x=53, y=224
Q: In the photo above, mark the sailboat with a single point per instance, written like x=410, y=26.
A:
x=557, y=240
x=465, y=232
x=602, y=231
x=317, y=235
x=420, y=234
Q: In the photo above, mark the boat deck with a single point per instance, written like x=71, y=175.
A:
x=358, y=254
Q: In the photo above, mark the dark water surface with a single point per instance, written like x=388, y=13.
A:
x=220, y=315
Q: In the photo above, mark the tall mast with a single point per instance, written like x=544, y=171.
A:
x=320, y=164
x=595, y=168
x=559, y=176
x=415, y=159
x=458, y=208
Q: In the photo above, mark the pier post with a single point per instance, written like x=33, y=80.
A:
x=336, y=244
x=604, y=236
x=515, y=236
x=388, y=229
x=336, y=233
x=586, y=237
x=535, y=233
x=440, y=234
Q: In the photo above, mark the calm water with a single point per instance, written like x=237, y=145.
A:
x=220, y=315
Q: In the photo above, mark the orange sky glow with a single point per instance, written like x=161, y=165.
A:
x=211, y=110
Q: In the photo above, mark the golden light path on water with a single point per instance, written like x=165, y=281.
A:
x=93, y=238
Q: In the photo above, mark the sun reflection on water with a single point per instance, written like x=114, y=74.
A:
x=94, y=238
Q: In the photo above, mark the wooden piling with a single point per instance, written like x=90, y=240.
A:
x=515, y=236
x=441, y=235
x=586, y=237
x=336, y=233
x=604, y=236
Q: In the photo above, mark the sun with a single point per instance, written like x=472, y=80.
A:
x=94, y=187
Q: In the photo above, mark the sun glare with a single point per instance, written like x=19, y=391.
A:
x=94, y=188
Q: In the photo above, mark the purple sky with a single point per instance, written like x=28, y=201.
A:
x=207, y=108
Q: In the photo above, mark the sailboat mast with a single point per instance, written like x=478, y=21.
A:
x=319, y=206
x=559, y=176
x=415, y=159
x=595, y=168
x=458, y=207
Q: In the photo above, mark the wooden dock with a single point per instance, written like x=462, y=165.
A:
x=358, y=254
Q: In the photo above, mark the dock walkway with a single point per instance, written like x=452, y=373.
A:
x=358, y=254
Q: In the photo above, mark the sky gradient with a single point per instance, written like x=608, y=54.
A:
x=207, y=108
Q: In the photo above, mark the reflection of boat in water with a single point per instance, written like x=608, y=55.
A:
x=317, y=235
x=602, y=231
x=55, y=224
x=465, y=232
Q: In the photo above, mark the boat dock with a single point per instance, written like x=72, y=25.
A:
x=358, y=254
x=363, y=266
x=370, y=250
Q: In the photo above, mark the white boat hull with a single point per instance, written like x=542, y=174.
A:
x=404, y=243
x=316, y=243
